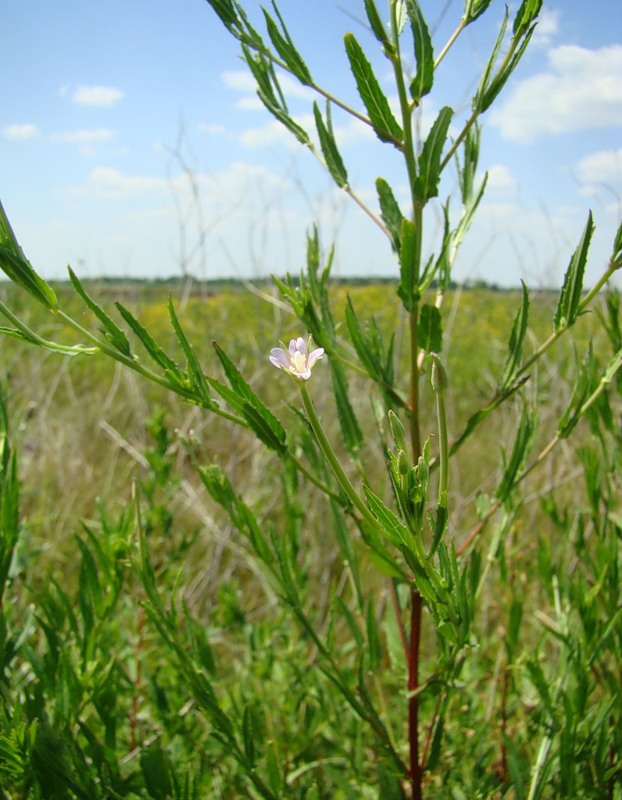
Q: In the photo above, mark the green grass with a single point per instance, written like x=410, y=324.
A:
x=91, y=436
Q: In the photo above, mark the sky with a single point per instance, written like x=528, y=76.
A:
x=132, y=142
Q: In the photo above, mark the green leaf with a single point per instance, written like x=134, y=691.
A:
x=270, y=94
x=226, y=10
x=424, y=53
x=468, y=170
x=407, y=289
x=430, y=329
x=350, y=430
x=197, y=381
x=16, y=266
x=9, y=510
x=474, y=9
x=435, y=748
x=380, y=115
x=570, y=297
x=248, y=735
x=219, y=486
x=490, y=87
x=526, y=16
x=390, y=211
x=395, y=531
x=152, y=347
x=584, y=384
x=375, y=23
x=426, y=183
x=259, y=417
x=332, y=157
x=361, y=344
x=285, y=47
x=520, y=451
x=156, y=771
x=517, y=339
x=616, y=257
x=110, y=330
x=373, y=639
x=389, y=785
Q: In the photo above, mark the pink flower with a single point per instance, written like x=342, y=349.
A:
x=296, y=360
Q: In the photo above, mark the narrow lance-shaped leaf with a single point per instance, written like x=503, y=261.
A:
x=390, y=211
x=474, y=9
x=285, y=47
x=394, y=530
x=226, y=10
x=407, y=290
x=467, y=170
x=16, y=266
x=381, y=117
x=197, y=379
x=248, y=735
x=517, y=339
x=616, y=257
x=522, y=445
x=489, y=89
x=426, y=183
x=331, y=153
x=441, y=270
x=375, y=23
x=429, y=329
x=526, y=16
x=584, y=384
x=424, y=53
x=351, y=432
x=570, y=296
x=270, y=94
x=111, y=331
x=259, y=417
x=361, y=345
x=479, y=99
x=153, y=348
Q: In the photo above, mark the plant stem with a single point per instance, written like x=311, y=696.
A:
x=331, y=457
x=416, y=601
x=449, y=43
x=413, y=684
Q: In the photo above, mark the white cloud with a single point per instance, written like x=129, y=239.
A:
x=211, y=129
x=106, y=182
x=84, y=136
x=224, y=187
x=500, y=180
x=21, y=131
x=581, y=90
x=101, y=96
x=603, y=167
x=547, y=27
x=266, y=135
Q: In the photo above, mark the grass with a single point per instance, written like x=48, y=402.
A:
x=88, y=432
x=82, y=420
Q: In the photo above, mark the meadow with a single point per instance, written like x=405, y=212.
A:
x=101, y=705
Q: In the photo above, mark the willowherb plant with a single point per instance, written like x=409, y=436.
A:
x=401, y=690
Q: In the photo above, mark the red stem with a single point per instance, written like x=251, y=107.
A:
x=413, y=684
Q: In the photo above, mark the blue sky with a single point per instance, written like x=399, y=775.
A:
x=132, y=143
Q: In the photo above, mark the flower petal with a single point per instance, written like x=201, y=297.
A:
x=314, y=356
x=299, y=346
x=280, y=358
